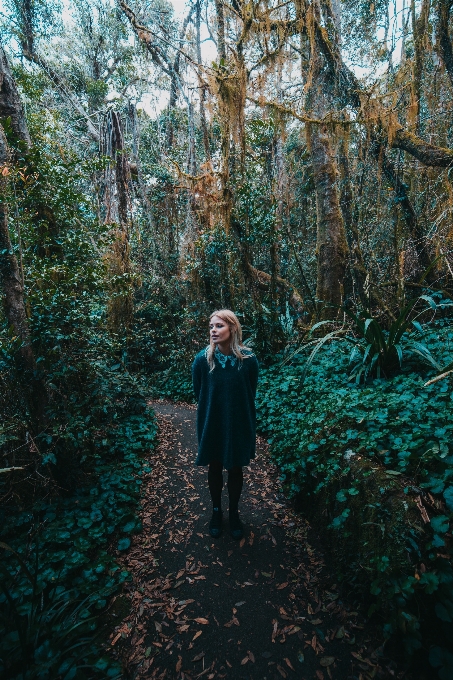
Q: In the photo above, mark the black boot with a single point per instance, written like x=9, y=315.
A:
x=215, y=525
x=236, y=528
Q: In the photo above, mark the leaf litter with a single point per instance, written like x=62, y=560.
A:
x=152, y=639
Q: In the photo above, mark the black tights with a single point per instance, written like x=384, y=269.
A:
x=215, y=482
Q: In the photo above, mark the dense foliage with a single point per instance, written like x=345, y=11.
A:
x=371, y=464
x=69, y=492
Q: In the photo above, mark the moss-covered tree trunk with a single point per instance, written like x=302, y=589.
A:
x=12, y=290
x=331, y=246
x=117, y=213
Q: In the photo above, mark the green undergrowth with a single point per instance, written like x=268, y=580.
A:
x=173, y=385
x=70, y=478
x=372, y=466
x=58, y=565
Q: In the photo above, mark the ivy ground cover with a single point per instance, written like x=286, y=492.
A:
x=58, y=565
x=372, y=466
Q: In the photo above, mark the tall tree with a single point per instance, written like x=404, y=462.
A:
x=117, y=210
x=10, y=277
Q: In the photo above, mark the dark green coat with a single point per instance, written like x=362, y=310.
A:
x=226, y=418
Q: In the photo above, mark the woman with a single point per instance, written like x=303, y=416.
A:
x=225, y=375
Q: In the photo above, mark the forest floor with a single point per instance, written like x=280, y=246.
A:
x=264, y=608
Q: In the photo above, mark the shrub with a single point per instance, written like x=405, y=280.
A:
x=63, y=547
x=373, y=466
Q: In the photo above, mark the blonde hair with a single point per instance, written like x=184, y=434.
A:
x=236, y=345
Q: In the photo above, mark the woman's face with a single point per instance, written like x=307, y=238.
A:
x=219, y=331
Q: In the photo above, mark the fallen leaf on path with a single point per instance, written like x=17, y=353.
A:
x=266, y=574
x=200, y=619
x=327, y=661
x=180, y=573
x=200, y=535
x=320, y=675
x=251, y=656
x=289, y=664
x=245, y=660
x=300, y=656
x=281, y=671
x=198, y=657
x=296, y=629
x=252, y=536
x=241, y=545
x=282, y=585
x=340, y=633
x=275, y=629
x=197, y=635
x=239, y=604
x=179, y=664
x=358, y=657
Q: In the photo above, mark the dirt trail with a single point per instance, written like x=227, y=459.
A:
x=261, y=609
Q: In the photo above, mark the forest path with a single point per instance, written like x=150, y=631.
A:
x=264, y=608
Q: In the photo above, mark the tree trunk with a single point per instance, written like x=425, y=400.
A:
x=220, y=16
x=33, y=388
x=202, y=88
x=224, y=95
x=117, y=179
x=331, y=246
x=419, y=28
x=356, y=263
x=10, y=104
x=444, y=45
x=402, y=200
x=13, y=292
x=175, y=79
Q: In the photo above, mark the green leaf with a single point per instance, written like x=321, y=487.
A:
x=444, y=610
x=440, y=524
x=441, y=657
x=448, y=495
x=124, y=543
